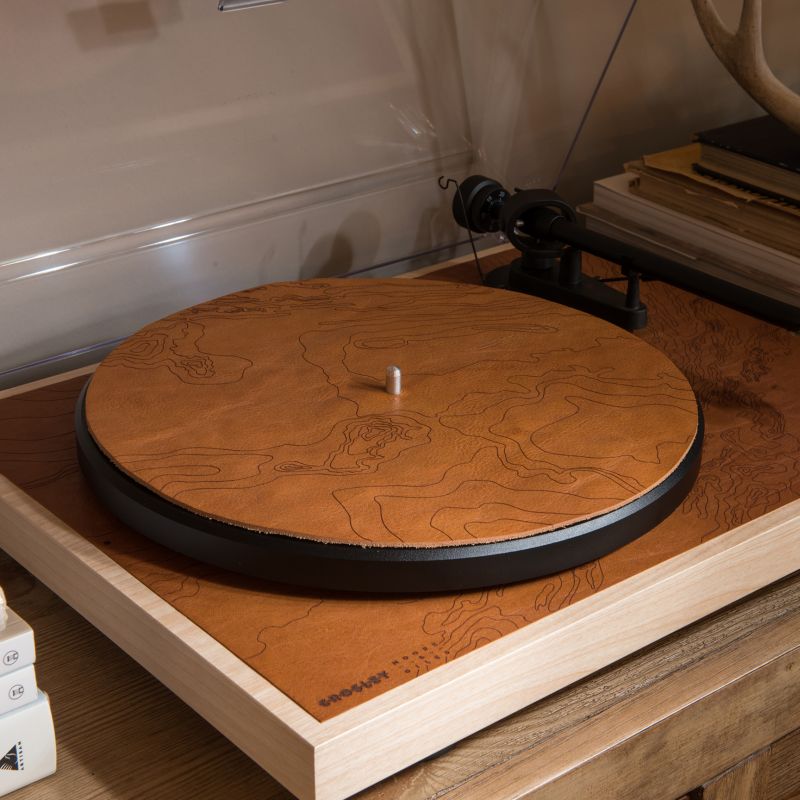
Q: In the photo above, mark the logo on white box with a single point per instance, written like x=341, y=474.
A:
x=16, y=691
x=10, y=658
x=13, y=758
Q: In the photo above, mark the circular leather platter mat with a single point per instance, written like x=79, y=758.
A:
x=267, y=409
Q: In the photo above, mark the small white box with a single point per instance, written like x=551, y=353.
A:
x=17, y=649
x=17, y=688
x=27, y=745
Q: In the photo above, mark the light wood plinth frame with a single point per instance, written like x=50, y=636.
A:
x=333, y=759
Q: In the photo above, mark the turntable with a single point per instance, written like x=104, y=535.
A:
x=255, y=432
x=521, y=427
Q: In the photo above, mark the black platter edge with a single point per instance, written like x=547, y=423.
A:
x=376, y=569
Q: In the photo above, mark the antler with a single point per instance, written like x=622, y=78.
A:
x=742, y=53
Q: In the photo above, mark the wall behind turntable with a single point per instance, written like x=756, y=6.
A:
x=157, y=153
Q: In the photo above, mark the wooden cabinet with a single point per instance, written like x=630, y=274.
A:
x=770, y=774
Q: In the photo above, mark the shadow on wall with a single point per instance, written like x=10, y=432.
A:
x=126, y=22
x=335, y=253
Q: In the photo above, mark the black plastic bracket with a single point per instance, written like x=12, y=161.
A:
x=551, y=270
x=587, y=294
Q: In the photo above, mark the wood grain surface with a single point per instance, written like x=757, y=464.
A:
x=772, y=773
x=746, y=781
x=652, y=727
x=267, y=409
x=120, y=733
x=699, y=716
x=331, y=652
x=123, y=736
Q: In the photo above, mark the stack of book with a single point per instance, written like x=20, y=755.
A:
x=27, y=739
x=727, y=204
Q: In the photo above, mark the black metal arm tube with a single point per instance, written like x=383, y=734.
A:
x=728, y=294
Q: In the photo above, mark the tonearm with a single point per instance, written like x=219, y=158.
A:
x=546, y=231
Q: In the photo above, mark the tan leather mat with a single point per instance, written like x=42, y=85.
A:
x=329, y=651
x=267, y=409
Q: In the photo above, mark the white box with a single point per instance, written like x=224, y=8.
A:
x=27, y=745
x=17, y=688
x=17, y=649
